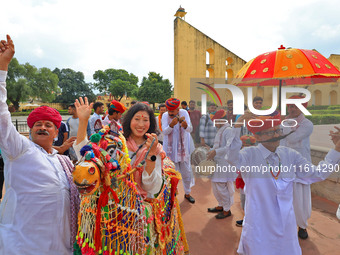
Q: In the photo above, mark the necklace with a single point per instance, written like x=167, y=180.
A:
x=271, y=169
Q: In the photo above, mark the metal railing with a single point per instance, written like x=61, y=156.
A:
x=21, y=126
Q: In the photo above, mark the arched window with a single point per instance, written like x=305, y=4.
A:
x=333, y=98
x=317, y=97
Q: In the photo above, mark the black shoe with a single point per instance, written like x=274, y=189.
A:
x=303, y=233
x=190, y=199
x=221, y=215
x=215, y=210
x=239, y=223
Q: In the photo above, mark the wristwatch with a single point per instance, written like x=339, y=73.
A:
x=151, y=157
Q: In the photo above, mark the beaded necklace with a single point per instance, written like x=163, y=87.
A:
x=271, y=169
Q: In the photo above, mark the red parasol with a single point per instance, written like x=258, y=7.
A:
x=287, y=67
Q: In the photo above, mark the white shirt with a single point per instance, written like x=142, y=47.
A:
x=269, y=225
x=35, y=211
x=223, y=138
x=150, y=183
x=299, y=140
x=73, y=124
x=167, y=130
x=95, y=116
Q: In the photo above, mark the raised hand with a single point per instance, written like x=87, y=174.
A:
x=83, y=108
x=335, y=137
x=6, y=53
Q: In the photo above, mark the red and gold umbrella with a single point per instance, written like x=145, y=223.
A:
x=287, y=67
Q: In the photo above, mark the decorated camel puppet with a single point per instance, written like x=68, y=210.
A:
x=114, y=218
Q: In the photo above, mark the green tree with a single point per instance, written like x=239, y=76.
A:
x=72, y=85
x=44, y=84
x=118, y=82
x=26, y=82
x=17, y=85
x=154, y=89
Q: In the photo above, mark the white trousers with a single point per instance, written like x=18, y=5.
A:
x=302, y=202
x=224, y=194
x=187, y=176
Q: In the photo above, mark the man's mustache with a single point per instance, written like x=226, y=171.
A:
x=42, y=132
x=274, y=139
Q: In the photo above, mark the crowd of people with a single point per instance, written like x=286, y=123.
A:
x=38, y=213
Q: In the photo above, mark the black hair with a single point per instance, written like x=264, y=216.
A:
x=211, y=104
x=97, y=105
x=184, y=103
x=131, y=112
x=257, y=99
x=161, y=105
x=134, y=102
x=229, y=102
x=72, y=106
x=192, y=101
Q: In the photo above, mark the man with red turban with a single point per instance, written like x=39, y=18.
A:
x=299, y=141
x=116, y=109
x=269, y=172
x=38, y=214
x=176, y=128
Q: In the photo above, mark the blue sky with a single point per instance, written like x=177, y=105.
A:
x=138, y=35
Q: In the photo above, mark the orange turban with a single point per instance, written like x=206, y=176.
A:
x=262, y=123
x=117, y=106
x=44, y=113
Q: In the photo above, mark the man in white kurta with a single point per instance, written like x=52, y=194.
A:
x=269, y=225
x=222, y=179
x=177, y=127
x=35, y=211
x=299, y=141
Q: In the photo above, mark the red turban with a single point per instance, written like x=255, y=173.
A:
x=220, y=114
x=117, y=106
x=172, y=104
x=299, y=97
x=262, y=123
x=44, y=113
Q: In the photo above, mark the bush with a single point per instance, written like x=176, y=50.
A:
x=322, y=119
x=327, y=111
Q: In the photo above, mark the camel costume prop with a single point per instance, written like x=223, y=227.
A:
x=114, y=218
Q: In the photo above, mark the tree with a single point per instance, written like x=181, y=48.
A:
x=44, y=85
x=17, y=85
x=72, y=86
x=118, y=82
x=26, y=81
x=154, y=89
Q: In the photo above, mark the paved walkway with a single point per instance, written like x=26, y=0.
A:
x=208, y=236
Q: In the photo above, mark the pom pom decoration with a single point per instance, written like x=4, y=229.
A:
x=89, y=155
x=95, y=138
x=85, y=149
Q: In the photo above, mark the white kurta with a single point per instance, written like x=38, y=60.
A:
x=299, y=141
x=269, y=225
x=35, y=211
x=222, y=173
x=167, y=130
x=184, y=167
x=222, y=179
x=152, y=183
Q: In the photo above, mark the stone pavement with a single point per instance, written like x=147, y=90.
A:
x=209, y=236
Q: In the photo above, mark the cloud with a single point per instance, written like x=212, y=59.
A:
x=138, y=35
